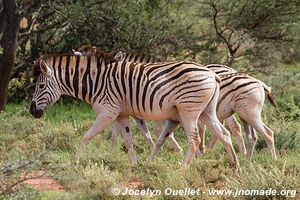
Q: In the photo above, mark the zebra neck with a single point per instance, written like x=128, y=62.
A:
x=82, y=89
x=76, y=75
x=82, y=77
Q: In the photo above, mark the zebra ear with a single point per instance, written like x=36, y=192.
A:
x=45, y=69
x=76, y=53
x=120, y=56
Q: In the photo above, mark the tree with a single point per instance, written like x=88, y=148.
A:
x=141, y=25
x=11, y=15
x=155, y=27
x=10, y=24
x=260, y=29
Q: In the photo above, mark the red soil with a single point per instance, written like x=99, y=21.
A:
x=44, y=183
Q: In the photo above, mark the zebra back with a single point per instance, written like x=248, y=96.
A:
x=221, y=69
x=136, y=57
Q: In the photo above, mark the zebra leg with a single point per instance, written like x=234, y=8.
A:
x=127, y=136
x=103, y=120
x=209, y=117
x=251, y=138
x=170, y=127
x=174, y=143
x=267, y=133
x=201, y=150
x=254, y=138
x=223, y=135
x=236, y=130
x=158, y=129
x=143, y=128
x=213, y=142
x=115, y=134
x=189, y=123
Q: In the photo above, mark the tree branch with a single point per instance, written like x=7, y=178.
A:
x=61, y=14
x=32, y=24
x=220, y=32
x=30, y=7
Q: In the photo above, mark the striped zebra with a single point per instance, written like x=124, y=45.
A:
x=172, y=91
x=121, y=55
x=237, y=89
x=144, y=59
x=244, y=95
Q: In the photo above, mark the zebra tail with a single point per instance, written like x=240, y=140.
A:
x=268, y=90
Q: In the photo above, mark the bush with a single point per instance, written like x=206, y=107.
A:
x=17, y=90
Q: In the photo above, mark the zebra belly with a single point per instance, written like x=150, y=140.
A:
x=224, y=110
x=168, y=112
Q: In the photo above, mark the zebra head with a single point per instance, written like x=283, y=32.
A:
x=47, y=91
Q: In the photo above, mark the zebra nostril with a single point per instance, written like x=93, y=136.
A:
x=39, y=113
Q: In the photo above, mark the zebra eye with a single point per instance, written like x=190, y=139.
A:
x=42, y=86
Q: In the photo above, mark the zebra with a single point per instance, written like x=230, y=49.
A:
x=227, y=115
x=88, y=49
x=122, y=55
x=144, y=58
x=244, y=95
x=173, y=91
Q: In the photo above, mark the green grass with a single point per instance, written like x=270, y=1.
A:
x=99, y=168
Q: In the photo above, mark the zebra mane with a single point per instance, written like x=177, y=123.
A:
x=93, y=50
x=106, y=57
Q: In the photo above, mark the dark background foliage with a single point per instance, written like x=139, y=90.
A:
x=247, y=34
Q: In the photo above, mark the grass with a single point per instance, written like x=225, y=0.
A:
x=99, y=169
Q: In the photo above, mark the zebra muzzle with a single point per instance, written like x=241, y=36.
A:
x=36, y=113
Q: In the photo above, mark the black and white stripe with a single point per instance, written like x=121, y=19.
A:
x=177, y=91
x=244, y=95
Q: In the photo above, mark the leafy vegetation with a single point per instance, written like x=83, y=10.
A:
x=253, y=34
